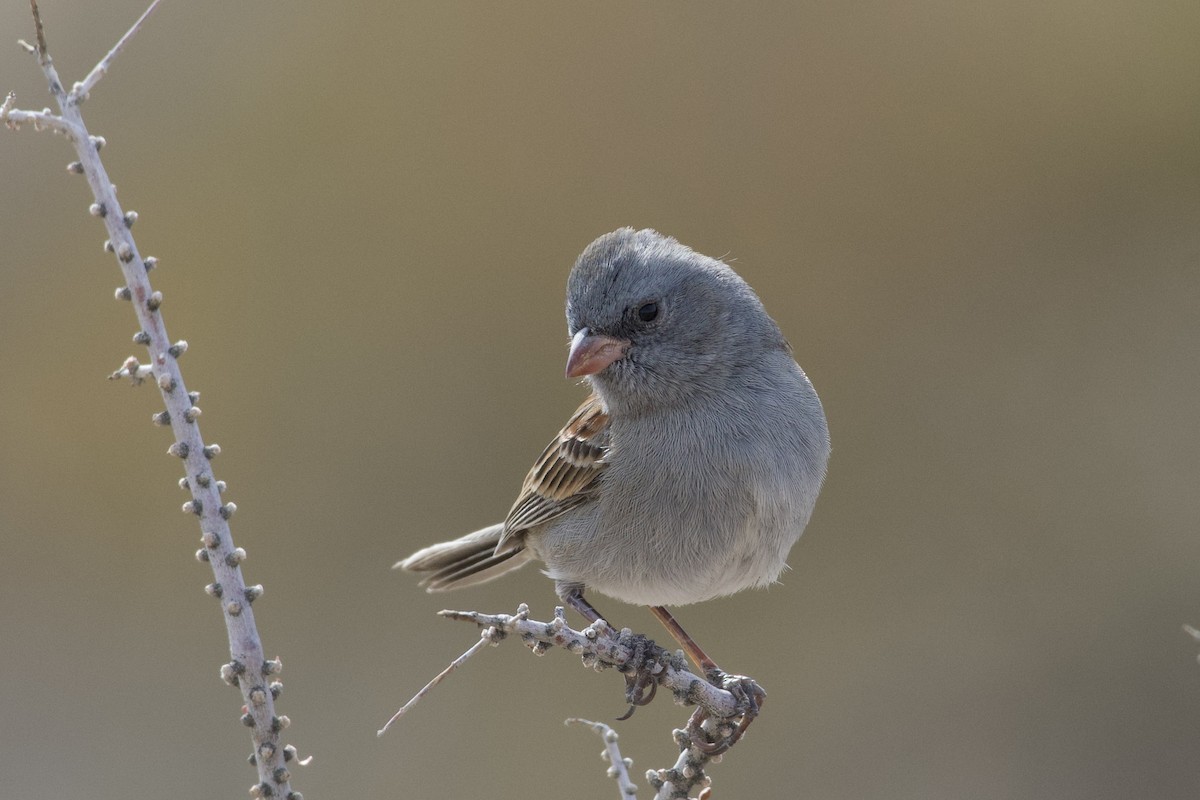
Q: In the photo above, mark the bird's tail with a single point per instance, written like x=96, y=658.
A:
x=466, y=561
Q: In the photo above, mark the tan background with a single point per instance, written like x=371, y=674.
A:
x=978, y=223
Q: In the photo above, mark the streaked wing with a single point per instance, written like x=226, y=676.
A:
x=564, y=476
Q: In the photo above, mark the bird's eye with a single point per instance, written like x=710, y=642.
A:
x=647, y=312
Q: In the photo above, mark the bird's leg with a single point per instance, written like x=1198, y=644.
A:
x=749, y=694
x=685, y=640
x=640, y=684
x=572, y=595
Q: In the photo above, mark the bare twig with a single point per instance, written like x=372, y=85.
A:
x=248, y=668
x=716, y=724
x=618, y=767
x=14, y=118
x=686, y=774
x=37, y=25
x=41, y=120
x=488, y=636
x=1190, y=631
x=79, y=92
x=601, y=647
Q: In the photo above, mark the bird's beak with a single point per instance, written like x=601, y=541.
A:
x=591, y=353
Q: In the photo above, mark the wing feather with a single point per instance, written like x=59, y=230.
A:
x=564, y=476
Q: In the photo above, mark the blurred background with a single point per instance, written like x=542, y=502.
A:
x=979, y=225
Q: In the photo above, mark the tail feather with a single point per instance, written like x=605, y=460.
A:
x=466, y=561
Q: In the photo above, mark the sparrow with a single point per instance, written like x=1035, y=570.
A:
x=693, y=466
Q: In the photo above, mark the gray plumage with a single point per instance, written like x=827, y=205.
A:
x=693, y=468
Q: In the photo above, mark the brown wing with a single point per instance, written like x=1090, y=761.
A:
x=564, y=476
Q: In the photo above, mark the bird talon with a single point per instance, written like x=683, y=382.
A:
x=699, y=737
x=749, y=697
x=746, y=691
x=640, y=688
x=641, y=698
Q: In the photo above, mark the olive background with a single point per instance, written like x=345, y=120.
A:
x=976, y=222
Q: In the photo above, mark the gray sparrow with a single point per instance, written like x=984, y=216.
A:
x=692, y=468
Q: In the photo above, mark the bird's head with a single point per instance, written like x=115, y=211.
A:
x=654, y=323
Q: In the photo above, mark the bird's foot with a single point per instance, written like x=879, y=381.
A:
x=642, y=671
x=715, y=740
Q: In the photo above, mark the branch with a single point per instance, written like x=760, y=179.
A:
x=489, y=636
x=620, y=767
x=14, y=118
x=79, y=92
x=601, y=647
x=248, y=668
x=720, y=718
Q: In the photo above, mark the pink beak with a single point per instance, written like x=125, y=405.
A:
x=590, y=354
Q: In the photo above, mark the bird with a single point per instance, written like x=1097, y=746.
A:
x=693, y=465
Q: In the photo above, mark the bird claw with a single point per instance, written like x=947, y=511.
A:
x=636, y=687
x=641, y=681
x=749, y=697
x=746, y=691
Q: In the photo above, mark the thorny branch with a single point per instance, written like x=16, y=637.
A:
x=713, y=727
x=619, y=767
x=248, y=668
